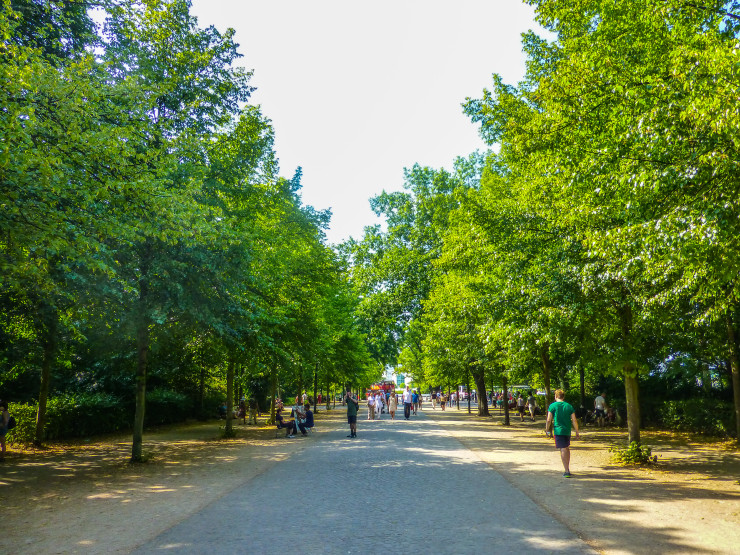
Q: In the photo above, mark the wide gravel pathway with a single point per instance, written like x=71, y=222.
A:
x=401, y=486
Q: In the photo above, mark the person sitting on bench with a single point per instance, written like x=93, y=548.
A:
x=289, y=425
x=308, y=416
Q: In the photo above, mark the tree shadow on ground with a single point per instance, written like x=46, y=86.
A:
x=39, y=475
x=606, y=502
x=610, y=503
x=714, y=459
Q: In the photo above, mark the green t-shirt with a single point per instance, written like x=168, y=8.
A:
x=561, y=412
x=352, y=407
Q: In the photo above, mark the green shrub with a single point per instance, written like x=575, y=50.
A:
x=90, y=414
x=699, y=415
x=165, y=407
x=86, y=414
x=25, y=418
x=634, y=454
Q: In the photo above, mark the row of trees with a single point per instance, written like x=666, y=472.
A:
x=600, y=239
x=145, y=232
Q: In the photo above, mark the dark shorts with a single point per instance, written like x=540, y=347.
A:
x=561, y=442
x=352, y=419
x=599, y=412
x=520, y=409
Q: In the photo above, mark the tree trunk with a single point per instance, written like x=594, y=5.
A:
x=142, y=354
x=735, y=368
x=51, y=320
x=479, y=377
x=470, y=392
x=202, y=392
x=315, y=386
x=238, y=373
x=631, y=387
x=546, y=369
x=505, y=385
x=229, y=428
x=582, y=376
x=142, y=350
x=273, y=391
x=300, y=386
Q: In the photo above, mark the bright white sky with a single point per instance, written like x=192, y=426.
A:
x=357, y=91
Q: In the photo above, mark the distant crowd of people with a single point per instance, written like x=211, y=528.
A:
x=386, y=402
x=561, y=418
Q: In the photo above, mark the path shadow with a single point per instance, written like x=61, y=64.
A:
x=611, y=502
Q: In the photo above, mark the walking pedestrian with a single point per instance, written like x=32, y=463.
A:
x=242, y=412
x=352, y=408
x=600, y=409
x=371, y=407
x=378, y=405
x=415, y=400
x=442, y=400
x=407, y=403
x=253, y=410
x=532, y=404
x=520, y=407
x=392, y=405
x=560, y=417
x=434, y=400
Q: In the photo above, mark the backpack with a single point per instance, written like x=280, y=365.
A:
x=11, y=422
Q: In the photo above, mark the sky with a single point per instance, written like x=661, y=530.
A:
x=358, y=91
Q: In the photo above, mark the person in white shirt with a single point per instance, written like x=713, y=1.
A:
x=600, y=409
x=378, y=405
x=407, y=403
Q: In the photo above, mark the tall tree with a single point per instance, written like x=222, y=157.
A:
x=73, y=146
x=192, y=89
x=393, y=269
x=615, y=125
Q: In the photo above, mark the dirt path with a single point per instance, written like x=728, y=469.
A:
x=85, y=498
x=689, y=502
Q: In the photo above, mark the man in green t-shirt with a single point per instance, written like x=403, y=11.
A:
x=352, y=408
x=560, y=416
